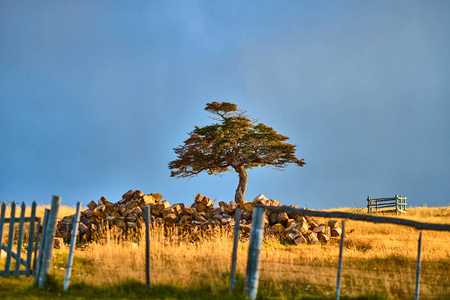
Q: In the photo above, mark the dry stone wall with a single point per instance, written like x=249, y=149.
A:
x=203, y=216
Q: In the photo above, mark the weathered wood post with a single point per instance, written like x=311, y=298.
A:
x=341, y=249
x=12, y=220
x=36, y=245
x=73, y=242
x=2, y=222
x=20, y=239
x=416, y=297
x=49, y=236
x=31, y=238
x=237, y=218
x=254, y=251
x=396, y=204
x=147, y=245
x=39, y=255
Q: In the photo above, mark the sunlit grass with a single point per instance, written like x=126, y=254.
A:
x=379, y=261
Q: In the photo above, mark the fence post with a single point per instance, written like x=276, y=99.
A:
x=147, y=245
x=31, y=238
x=12, y=220
x=254, y=251
x=237, y=218
x=341, y=248
x=20, y=239
x=48, y=246
x=73, y=241
x=416, y=297
x=36, y=246
x=396, y=204
x=2, y=222
x=38, y=263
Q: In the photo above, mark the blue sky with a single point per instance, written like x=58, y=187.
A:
x=94, y=96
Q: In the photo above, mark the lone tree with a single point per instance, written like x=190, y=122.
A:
x=236, y=143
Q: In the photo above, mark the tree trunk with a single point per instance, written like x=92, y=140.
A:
x=240, y=191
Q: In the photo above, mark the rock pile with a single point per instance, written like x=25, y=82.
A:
x=201, y=217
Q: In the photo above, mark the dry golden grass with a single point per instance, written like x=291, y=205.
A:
x=179, y=263
x=379, y=259
x=63, y=211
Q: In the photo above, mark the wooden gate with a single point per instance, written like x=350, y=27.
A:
x=384, y=205
x=13, y=245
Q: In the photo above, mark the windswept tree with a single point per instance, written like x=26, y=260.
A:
x=235, y=143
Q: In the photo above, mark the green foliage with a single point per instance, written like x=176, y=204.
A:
x=236, y=143
x=23, y=288
x=233, y=142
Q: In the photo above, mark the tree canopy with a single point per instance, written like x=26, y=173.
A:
x=235, y=143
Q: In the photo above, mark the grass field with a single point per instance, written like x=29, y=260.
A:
x=379, y=263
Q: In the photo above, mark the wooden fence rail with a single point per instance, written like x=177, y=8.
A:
x=369, y=218
x=396, y=204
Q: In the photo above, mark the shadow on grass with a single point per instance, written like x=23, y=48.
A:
x=23, y=288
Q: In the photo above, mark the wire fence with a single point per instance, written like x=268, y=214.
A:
x=357, y=280
x=388, y=265
x=380, y=264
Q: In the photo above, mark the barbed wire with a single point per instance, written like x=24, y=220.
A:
x=303, y=283
x=298, y=272
x=378, y=269
x=292, y=263
x=385, y=289
x=408, y=279
x=345, y=289
x=360, y=277
x=405, y=241
x=410, y=292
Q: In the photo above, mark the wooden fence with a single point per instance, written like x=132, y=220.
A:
x=396, y=204
x=31, y=245
x=39, y=246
